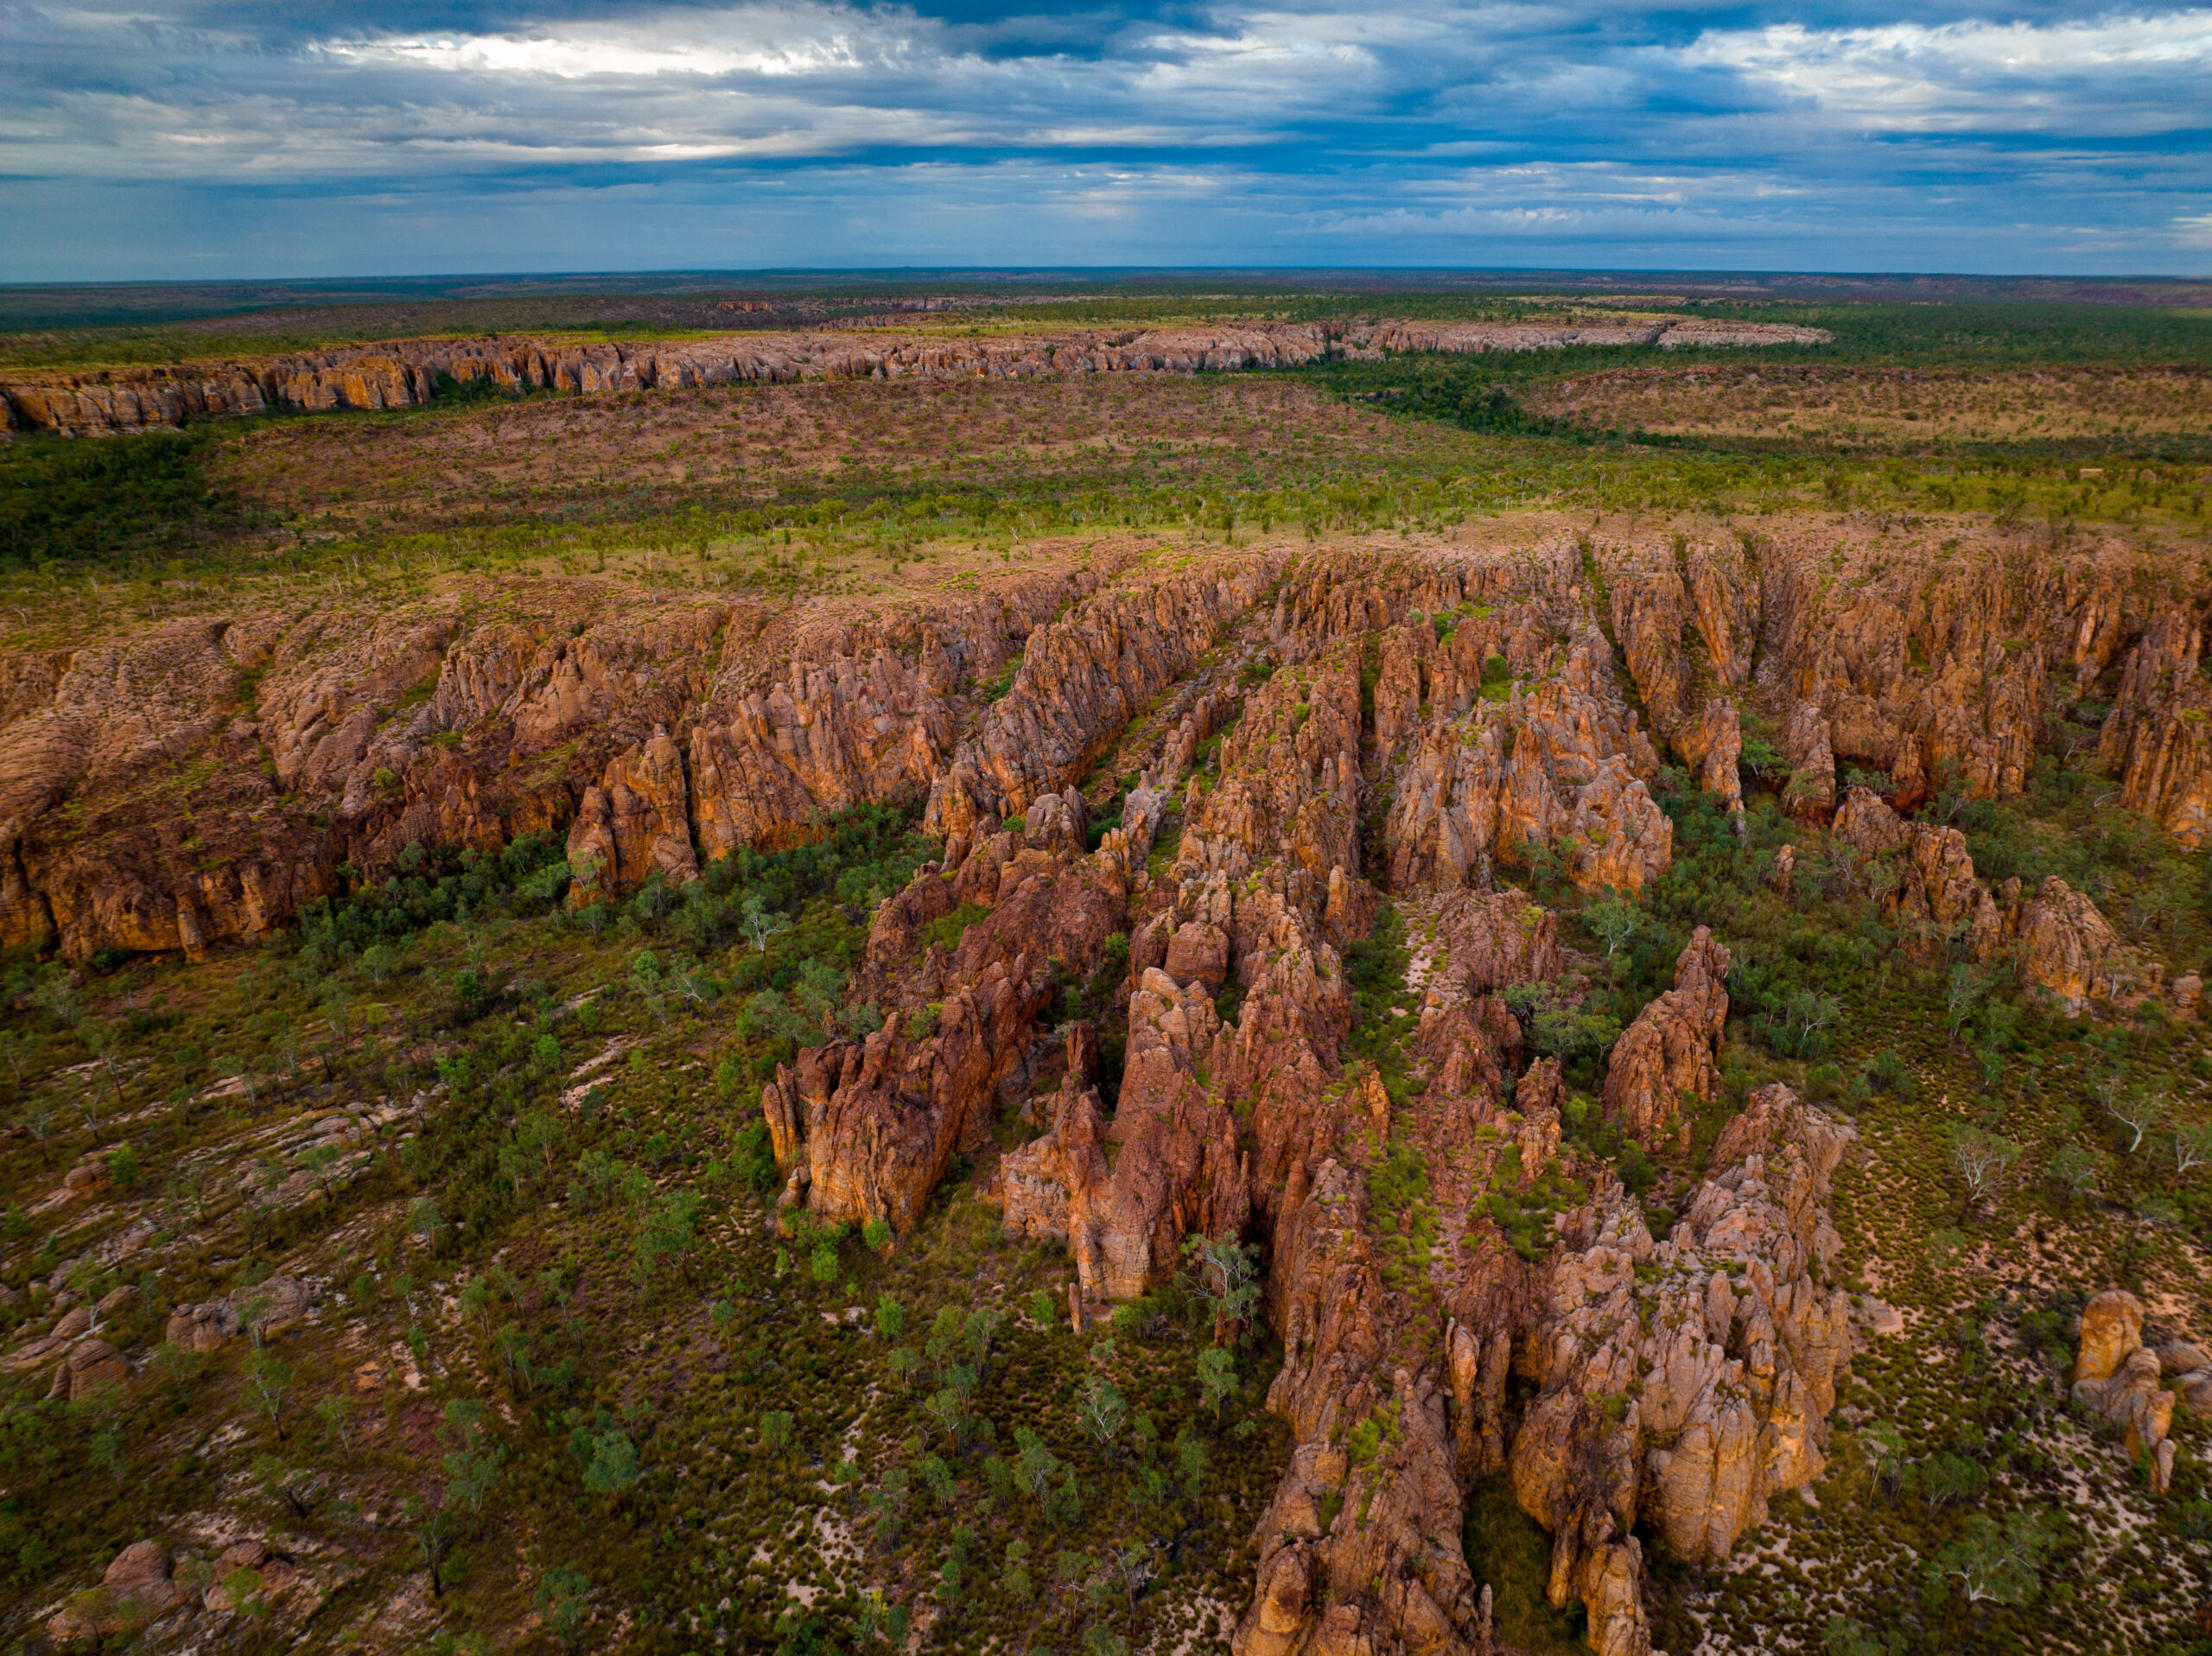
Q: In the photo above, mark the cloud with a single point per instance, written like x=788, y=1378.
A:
x=884, y=133
x=2105, y=75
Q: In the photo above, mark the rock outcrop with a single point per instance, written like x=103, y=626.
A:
x=2157, y=737
x=1558, y=767
x=1673, y=1048
x=1810, y=791
x=657, y=733
x=2063, y=944
x=866, y=1128
x=136, y=1588
x=406, y=373
x=2116, y=1375
x=1686, y=1381
x=1493, y=942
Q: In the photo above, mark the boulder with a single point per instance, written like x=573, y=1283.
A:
x=92, y=1365
x=270, y=1307
x=2111, y=1327
x=2117, y=1376
x=201, y=1328
x=2066, y=945
x=1199, y=953
x=137, y=1590
x=1055, y=822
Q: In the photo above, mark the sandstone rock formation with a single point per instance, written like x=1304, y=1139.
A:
x=1488, y=783
x=1691, y=1390
x=866, y=1128
x=336, y=737
x=135, y=1590
x=1673, y=1047
x=1496, y=940
x=633, y=825
x=1273, y=710
x=2156, y=736
x=403, y=373
x=2118, y=1376
x=90, y=1366
x=2063, y=944
x=1810, y=792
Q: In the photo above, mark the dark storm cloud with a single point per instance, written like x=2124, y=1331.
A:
x=187, y=139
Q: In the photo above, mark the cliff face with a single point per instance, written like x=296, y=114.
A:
x=404, y=373
x=1308, y=731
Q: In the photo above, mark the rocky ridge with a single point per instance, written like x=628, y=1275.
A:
x=405, y=373
x=1324, y=727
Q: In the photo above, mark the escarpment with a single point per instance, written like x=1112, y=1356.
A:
x=405, y=373
x=1189, y=792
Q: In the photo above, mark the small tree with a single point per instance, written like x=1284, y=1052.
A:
x=2192, y=1148
x=1998, y=1565
x=15, y=1052
x=1013, y=1574
x=668, y=1232
x=336, y=1413
x=101, y=1040
x=474, y=1462
x=880, y=1620
x=648, y=984
x=759, y=924
x=1962, y=994
x=1225, y=1277
x=37, y=1120
x=2077, y=1169
x=1979, y=1159
x=890, y=1318
x=1191, y=1464
x=424, y=1220
x=2137, y=1111
x=1101, y=1411
x=1884, y=1447
x=560, y=1597
x=426, y=1518
x=271, y=1381
x=1614, y=923
x=1217, y=1379
x=1133, y=1565
x=610, y=1462
x=1035, y=1465
x=320, y=1162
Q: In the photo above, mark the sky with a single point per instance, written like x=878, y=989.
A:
x=209, y=139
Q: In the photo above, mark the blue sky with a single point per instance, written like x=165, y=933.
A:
x=199, y=139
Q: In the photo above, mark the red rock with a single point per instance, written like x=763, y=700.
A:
x=91, y=1366
x=878, y=1121
x=1810, y=792
x=636, y=823
x=1673, y=1046
x=135, y=1590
